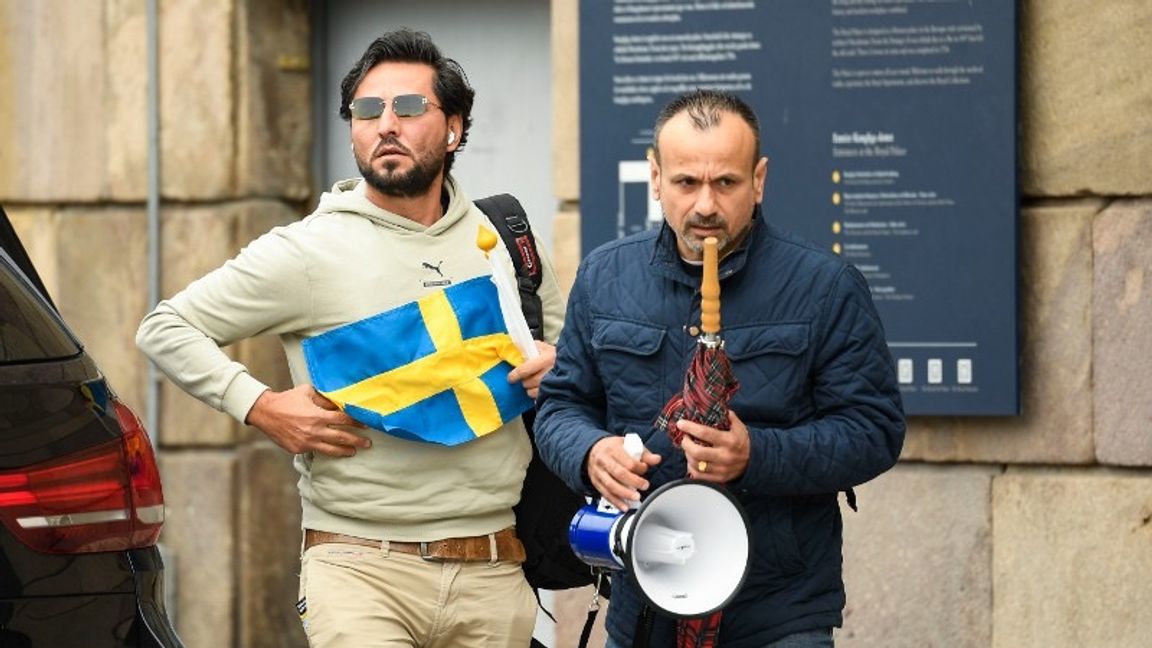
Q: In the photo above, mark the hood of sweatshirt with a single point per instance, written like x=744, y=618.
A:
x=349, y=197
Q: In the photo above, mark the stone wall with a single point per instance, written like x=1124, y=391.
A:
x=1016, y=531
x=235, y=138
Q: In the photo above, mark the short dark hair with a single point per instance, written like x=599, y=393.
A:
x=704, y=107
x=453, y=92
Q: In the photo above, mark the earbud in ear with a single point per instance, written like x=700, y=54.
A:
x=451, y=136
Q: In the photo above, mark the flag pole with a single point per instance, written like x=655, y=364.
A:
x=509, y=303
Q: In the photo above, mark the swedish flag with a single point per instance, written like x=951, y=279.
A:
x=432, y=370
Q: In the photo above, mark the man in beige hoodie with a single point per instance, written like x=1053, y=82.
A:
x=406, y=542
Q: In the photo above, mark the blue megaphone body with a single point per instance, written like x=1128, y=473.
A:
x=686, y=545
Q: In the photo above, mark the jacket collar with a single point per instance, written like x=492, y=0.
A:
x=666, y=256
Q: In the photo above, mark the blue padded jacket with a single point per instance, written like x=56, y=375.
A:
x=817, y=392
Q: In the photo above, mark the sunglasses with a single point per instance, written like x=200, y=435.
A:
x=408, y=105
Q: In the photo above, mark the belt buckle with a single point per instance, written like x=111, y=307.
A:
x=424, y=555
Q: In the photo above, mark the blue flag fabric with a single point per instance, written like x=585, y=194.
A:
x=433, y=370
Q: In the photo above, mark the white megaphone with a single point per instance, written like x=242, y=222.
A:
x=687, y=545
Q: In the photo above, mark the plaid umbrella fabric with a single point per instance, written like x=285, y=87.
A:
x=708, y=388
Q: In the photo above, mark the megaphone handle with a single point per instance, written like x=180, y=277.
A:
x=633, y=445
x=635, y=449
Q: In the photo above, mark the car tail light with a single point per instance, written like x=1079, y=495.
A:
x=105, y=498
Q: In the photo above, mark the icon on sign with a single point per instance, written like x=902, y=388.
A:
x=904, y=371
x=935, y=371
x=964, y=371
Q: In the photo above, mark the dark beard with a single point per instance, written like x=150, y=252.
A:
x=415, y=182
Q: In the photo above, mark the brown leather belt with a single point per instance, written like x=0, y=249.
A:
x=500, y=546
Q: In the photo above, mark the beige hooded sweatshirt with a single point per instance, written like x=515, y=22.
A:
x=347, y=261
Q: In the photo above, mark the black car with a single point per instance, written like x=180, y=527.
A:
x=81, y=505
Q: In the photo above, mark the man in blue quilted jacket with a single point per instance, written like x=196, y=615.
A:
x=818, y=410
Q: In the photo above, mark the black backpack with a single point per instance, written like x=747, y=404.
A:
x=546, y=503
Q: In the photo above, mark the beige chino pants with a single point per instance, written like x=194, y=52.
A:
x=361, y=597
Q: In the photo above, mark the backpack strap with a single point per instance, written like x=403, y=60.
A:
x=509, y=219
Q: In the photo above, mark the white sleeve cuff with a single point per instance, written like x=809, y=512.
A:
x=241, y=395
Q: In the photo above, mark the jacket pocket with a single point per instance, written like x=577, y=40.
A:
x=630, y=366
x=745, y=343
x=771, y=362
x=629, y=337
x=775, y=548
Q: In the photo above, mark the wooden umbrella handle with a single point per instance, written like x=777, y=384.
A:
x=710, y=290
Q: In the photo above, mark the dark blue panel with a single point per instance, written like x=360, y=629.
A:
x=891, y=132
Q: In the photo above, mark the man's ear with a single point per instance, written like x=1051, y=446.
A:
x=759, y=175
x=654, y=178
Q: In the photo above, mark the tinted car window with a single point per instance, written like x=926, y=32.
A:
x=28, y=331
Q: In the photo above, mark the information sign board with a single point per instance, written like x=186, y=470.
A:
x=890, y=126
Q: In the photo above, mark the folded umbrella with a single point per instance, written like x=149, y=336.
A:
x=708, y=388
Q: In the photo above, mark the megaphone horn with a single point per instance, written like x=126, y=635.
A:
x=686, y=546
